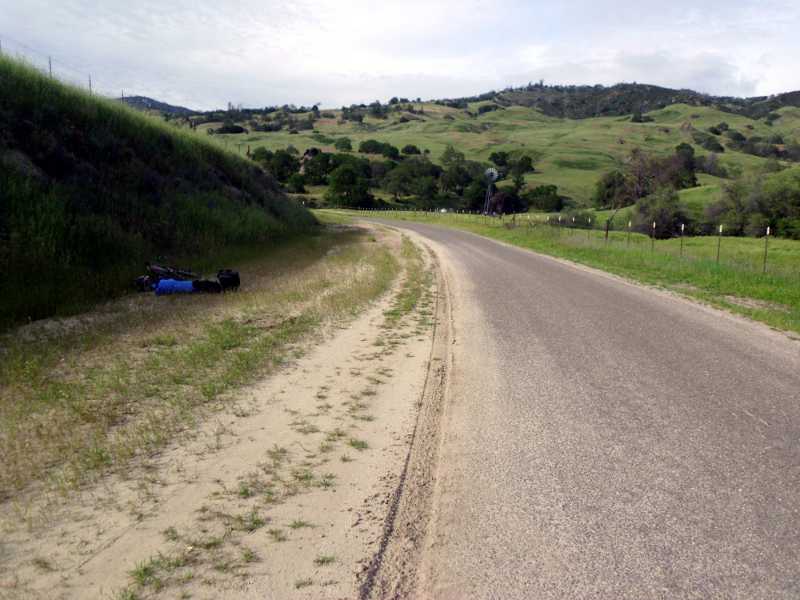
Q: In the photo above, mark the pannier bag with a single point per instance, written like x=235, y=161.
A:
x=173, y=286
x=228, y=279
x=207, y=286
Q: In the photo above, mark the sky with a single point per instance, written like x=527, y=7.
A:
x=206, y=53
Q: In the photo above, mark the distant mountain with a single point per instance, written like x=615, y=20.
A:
x=584, y=101
x=145, y=103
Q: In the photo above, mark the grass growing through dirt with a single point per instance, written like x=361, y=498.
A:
x=91, y=394
x=737, y=283
x=414, y=286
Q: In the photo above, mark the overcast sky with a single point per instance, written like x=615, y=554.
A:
x=204, y=53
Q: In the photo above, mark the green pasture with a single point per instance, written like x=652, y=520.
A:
x=571, y=154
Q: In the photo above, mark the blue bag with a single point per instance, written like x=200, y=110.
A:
x=173, y=286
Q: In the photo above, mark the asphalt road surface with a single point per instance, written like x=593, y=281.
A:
x=604, y=440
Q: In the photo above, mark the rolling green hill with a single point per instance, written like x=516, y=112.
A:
x=90, y=189
x=572, y=154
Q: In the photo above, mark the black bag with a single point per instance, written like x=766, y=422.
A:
x=206, y=286
x=228, y=279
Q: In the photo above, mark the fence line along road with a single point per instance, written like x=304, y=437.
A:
x=746, y=254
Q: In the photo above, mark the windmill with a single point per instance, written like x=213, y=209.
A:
x=491, y=176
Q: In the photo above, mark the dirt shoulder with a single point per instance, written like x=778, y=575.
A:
x=394, y=570
x=288, y=491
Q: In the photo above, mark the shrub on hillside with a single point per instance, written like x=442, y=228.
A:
x=544, y=198
x=662, y=207
x=611, y=190
x=296, y=184
x=343, y=144
x=230, y=127
x=376, y=147
x=487, y=108
x=711, y=165
x=735, y=136
x=707, y=141
x=499, y=158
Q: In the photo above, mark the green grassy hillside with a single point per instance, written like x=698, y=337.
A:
x=91, y=189
x=573, y=154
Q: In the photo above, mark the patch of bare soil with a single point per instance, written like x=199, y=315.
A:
x=756, y=304
x=292, y=492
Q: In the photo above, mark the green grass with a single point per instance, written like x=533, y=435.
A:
x=358, y=444
x=736, y=283
x=80, y=400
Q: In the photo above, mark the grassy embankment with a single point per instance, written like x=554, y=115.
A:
x=87, y=395
x=736, y=283
x=92, y=189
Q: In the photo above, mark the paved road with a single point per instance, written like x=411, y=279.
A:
x=604, y=440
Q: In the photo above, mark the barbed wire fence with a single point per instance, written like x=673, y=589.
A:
x=714, y=250
x=81, y=76
x=56, y=66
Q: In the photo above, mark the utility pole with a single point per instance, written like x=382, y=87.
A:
x=50, y=66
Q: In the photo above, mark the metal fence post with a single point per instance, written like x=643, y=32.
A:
x=719, y=242
x=683, y=226
x=589, y=230
x=653, y=239
x=766, y=246
x=628, y=242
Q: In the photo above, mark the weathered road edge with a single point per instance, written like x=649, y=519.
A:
x=392, y=573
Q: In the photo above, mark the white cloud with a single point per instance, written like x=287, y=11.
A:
x=203, y=53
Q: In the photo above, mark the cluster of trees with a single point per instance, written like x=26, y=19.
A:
x=411, y=177
x=707, y=141
x=770, y=198
x=388, y=150
x=276, y=120
x=282, y=164
x=750, y=205
x=228, y=126
x=772, y=146
x=286, y=120
x=356, y=112
x=584, y=101
x=651, y=184
x=238, y=113
x=643, y=174
x=376, y=147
